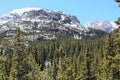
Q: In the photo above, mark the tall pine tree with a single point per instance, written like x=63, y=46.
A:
x=17, y=67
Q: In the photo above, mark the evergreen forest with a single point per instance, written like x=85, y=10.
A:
x=63, y=59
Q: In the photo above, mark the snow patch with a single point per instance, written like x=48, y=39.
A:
x=114, y=25
x=21, y=11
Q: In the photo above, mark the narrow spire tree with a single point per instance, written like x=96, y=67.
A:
x=17, y=71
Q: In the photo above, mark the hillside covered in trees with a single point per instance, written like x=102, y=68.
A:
x=63, y=59
x=66, y=58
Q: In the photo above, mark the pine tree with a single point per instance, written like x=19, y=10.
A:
x=102, y=71
x=117, y=49
x=3, y=74
x=23, y=65
x=81, y=67
x=117, y=55
x=17, y=67
x=109, y=57
x=118, y=21
x=118, y=1
x=55, y=63
x=32, y=68
x=61, y=65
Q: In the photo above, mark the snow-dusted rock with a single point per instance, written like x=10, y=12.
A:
x=102, y=25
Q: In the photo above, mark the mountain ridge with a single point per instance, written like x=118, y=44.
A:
x=40, y=20
x=40, y=23
x=18, y=13
x=102, y=25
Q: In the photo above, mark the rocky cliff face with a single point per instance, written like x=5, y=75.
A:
x=37, y=23
x=39, y=15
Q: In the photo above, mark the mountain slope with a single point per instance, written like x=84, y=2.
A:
x=39, y=24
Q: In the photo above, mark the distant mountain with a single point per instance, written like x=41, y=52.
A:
x=38, y=24
x=102, y=25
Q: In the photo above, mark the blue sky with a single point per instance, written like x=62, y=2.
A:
x=84, y=10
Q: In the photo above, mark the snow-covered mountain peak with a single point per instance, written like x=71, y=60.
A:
x=40, y=18
x=102, y=25
x=38, y=14
x=42, y=21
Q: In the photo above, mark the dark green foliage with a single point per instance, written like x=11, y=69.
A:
x=21, y=64
x=63, y=59
x=3, y=73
